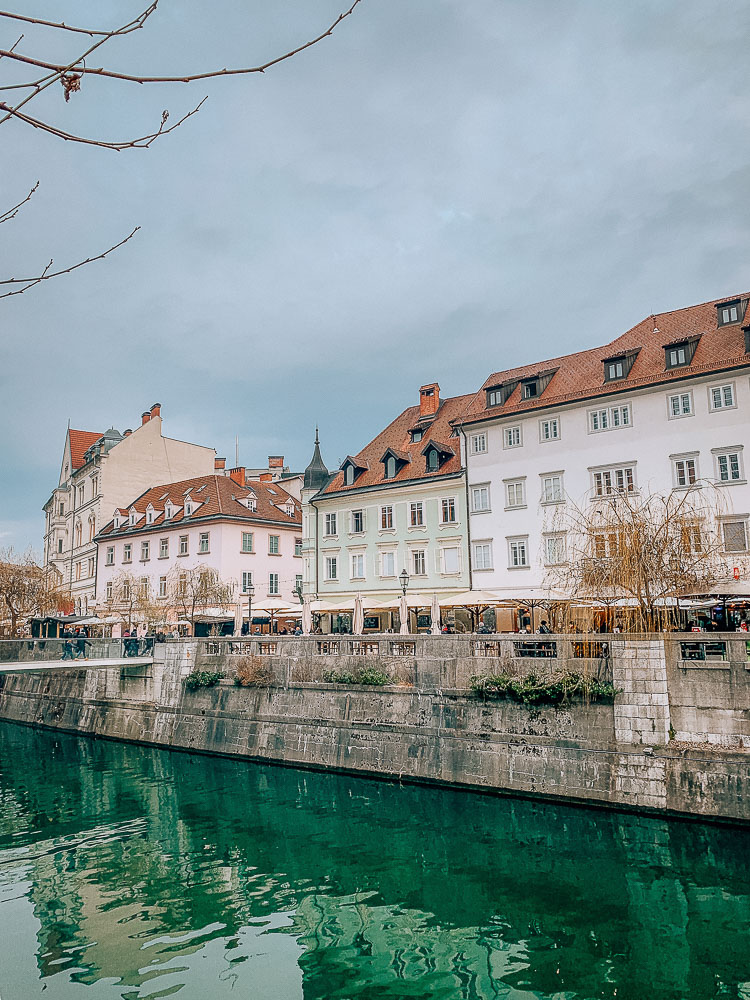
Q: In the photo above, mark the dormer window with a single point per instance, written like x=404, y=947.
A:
x=117, y=520
x=351, y=470
x=150, y=514
x=349, y=475
x=433, y=460
x=680, y=352
x=619, y=366
x=133, y=516
x=168, y=511
x=188, y=508
x=390, y=467
x=499, y=394
x=530, y=389
x=436, y=454
x=416, y=435
x=730, y=312
x=393, y=462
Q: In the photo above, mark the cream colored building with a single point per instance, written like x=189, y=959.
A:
x=100, y=472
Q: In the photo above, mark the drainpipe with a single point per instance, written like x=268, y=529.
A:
x=468, y=514
x=311, y=501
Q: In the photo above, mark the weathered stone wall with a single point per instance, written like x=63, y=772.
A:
x=598, y=753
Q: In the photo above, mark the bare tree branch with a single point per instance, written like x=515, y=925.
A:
x=11, y=213
x=47, y=274
x=67, y=27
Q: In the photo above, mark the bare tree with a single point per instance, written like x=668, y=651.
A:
x=26, y=589
x=190, y=591
x=130, y=599
x=72, y=74
x=642, y=553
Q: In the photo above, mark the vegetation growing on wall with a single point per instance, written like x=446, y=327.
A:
x=252, y=671
x=365, y=675
x=533, y=690
x=202, y=679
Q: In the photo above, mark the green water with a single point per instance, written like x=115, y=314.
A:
x=129, y=872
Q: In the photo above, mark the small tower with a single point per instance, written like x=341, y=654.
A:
x=316, y=477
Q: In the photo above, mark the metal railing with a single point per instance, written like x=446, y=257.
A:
x=68, y=650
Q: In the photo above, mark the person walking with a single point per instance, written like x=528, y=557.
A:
x=67, y=647
x=81, y=643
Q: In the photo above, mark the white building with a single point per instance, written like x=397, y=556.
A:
x=99, y=472
x=665, y=405
x=248, y=531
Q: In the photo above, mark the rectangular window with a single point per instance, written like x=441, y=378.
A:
x=331, y=568
x=418, y=562
x=78, y=571
x=449, y=557
x=358, y=522
x=512, y=437
x=729, y=466
x=722, y=397
x=518, y=552
x=330, y=524
x=358, y=566
x=691, y=538
x=273, y=584
x=478, y=444
x=94, y=486
x=143, y=586
x=182, y=585
x=247, y=582
x=298, y=583
x=183, y=545
x=728, y=313
x=247, y=541
x=163, y=548
x=203, y=542
x=685, y=470
x=298, y=546
x=480, y=498
x=615, y=369
x=162, y=586
x=60, y=547
x=91, y=566
x=554, y=549
x=609, y=481
x=110, y=557
x=387, y=563
x=549, y=430
x=127, y=552
x=552, y=488
x=515, y=493
x=416, y=514
x=145, y=550
x=495, y=397
x=273, y=545
x=676, y=357
x=448, y=510
x=483, y=555
x=734, y=534
x=386, y=517
x=109, y=590
x=680, y=405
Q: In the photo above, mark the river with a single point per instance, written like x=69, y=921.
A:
x=128, y=872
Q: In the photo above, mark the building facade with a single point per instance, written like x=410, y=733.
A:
x=399, y=504
x=98, y=473
x=247, y=531
x=663, y=408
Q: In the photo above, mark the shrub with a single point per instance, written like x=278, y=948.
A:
x=365, y=675
x=533, y=690
x=202, y=679
x=252, y=671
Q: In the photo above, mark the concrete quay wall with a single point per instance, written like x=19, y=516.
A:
x=423, y=727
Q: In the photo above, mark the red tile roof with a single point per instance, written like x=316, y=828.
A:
x=80, y=441
x=219, y=498
x=397, y=438
x=581, y=375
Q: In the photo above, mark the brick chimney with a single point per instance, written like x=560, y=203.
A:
x=220, y=464
x=266, y=477
x=156, y=410
x=126, y=433
x=238, y=475
x=429, y=399
x=145, y=417
x=275, y=461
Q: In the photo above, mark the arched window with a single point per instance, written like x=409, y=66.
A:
x=390, y=467
x=79, y=532
x=92, y=528
x=349, y=475
x=432, y=460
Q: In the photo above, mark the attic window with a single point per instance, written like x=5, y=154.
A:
x=619, y=366
x=164, y=496
x=499, y=394
x=747, y=339
x=390, y=467
x=433, y=460
x=436, y=454
x=680, y=353
x=729, y=312
x=531, y=389
x=416, y=435
x=188, y=508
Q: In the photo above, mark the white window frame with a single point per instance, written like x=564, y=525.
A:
x=727, y=452
x=359, y=558
x=274, y=545
x=680, y=396
x=110, y=557
x=612, y=471
x=444, y=571
x=721, y=388
x=108, y=591
x=145, y=551
x=387, y=553
x=247, y=581
x=360, y=514
x=515, y=493
x=386, y=517
x=478, y=443
x=518, y=545
x=331, y=522
x=127, y=552
x=509, y=432
x=451, y=504
x=561, y=556
x=416, y=514
x=331, y=567
x=543, y=490
x=610, y=418
x=477, y=489
x=184, y=549
x=414, y=554
x=682, y=460
x=736, y=519
x=553, y=423
x=273, y=584
x=483, y=555
x=162, y=586
x=250, y=547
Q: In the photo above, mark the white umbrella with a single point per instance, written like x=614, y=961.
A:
x=238, y=619
x=435, y=615
x=306, y=617
x=358, y=624
x=403, y=611
x=472, y=599
x=332, y=606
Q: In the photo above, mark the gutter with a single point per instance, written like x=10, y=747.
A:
x=424, y=480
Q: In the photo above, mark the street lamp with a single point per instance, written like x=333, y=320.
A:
x=404, y=578
x=250, y=593
x=298, y=592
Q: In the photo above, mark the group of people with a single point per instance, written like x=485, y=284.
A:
x=74, y=644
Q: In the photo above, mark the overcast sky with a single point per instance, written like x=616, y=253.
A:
x=442, y=189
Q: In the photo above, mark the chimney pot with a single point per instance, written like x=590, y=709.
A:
x=156, y=410
x=220, y=463
x=127, y=432
x=145, y=417
x=238, y=475
x=429, y=399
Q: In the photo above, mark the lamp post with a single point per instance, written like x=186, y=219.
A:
x=298, y=593
x=250, y=593
x=403, y=578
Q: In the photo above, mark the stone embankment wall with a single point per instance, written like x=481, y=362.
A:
x=674, y=741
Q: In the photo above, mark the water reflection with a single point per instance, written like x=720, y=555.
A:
x=148, y=873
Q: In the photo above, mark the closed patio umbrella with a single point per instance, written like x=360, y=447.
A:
x=306, y=616
x=435, y=615
x=403, y=612
x=358, y=623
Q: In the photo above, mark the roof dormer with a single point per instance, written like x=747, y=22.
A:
x=133, y=516
x=151, y=514
x=117, y=519
x=731, y=311
x=679, y=353
x=618, y=366
x=535, y=385
x=500, y=393
x=352, y=470
x=393, y=462
x=436, y=455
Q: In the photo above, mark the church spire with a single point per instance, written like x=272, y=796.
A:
x=316, y=473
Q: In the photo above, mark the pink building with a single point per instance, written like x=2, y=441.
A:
x=248, y=531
